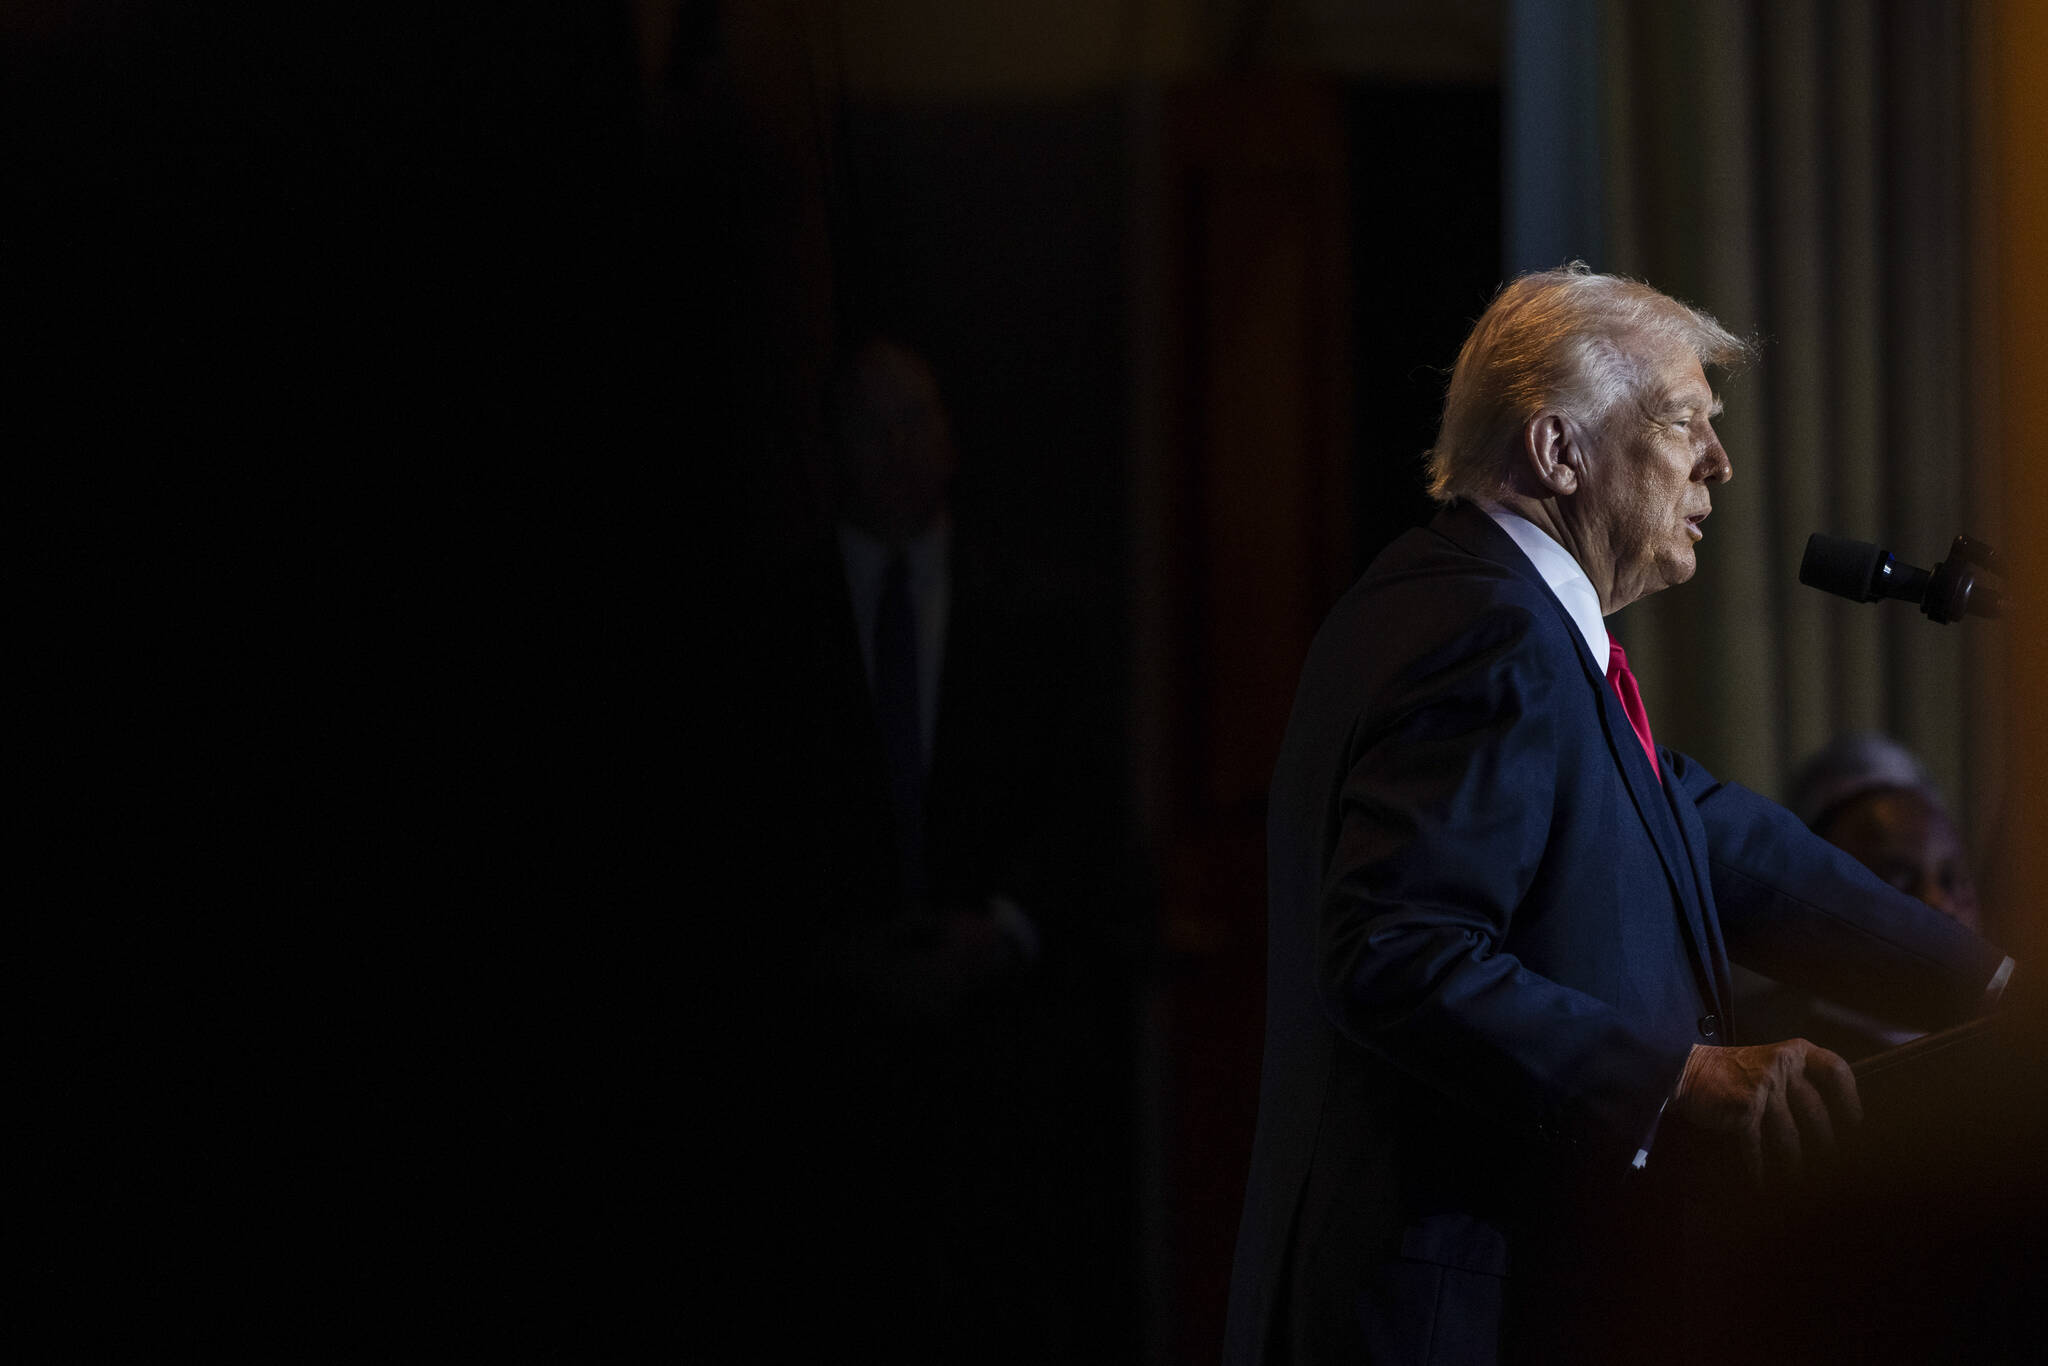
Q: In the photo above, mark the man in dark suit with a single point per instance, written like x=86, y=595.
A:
x=1501, y=915
x=962, y=1004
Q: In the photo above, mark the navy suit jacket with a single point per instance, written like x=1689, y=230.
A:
x=1494, y=937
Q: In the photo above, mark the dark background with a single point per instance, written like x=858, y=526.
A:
x=414, y=411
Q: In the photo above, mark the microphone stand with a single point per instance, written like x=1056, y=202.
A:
x=1954, y=588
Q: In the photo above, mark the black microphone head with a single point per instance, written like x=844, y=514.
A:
x=1837, y=565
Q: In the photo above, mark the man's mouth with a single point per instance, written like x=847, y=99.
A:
x=1692, y=524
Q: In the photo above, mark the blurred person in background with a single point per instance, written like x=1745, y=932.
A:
x=951, y=880
x=1870, y=797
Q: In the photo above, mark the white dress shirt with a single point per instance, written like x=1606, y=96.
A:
x=1563, y=575
x=930, y=563
x=929, y=557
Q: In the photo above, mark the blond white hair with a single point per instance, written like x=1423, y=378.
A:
x=1566, y=339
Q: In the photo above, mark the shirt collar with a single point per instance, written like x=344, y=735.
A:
x=1561, y=573
x=927, y=554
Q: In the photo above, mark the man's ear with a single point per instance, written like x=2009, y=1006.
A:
x=1551, y=455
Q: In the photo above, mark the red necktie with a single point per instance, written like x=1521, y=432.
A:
x=1624, y=681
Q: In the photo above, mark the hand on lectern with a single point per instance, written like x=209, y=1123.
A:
x=1784, y=1105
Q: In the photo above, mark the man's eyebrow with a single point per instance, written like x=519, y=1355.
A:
x=1687, y=400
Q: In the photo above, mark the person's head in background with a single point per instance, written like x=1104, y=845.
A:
x=1869, y=797
x=894, y=457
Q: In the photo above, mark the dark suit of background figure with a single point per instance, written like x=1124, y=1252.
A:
x=1495, y=937
x=965, y=1184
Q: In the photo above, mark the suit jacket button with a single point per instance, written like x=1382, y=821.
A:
x=1710, y=1025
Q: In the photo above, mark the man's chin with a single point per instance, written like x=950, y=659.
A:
x=1676, y=568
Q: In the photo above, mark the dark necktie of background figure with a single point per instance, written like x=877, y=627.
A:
x=896, y=708
x=1624, y=680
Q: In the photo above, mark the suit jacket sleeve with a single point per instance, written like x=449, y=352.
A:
x=1443, y=826
x=1797, y=908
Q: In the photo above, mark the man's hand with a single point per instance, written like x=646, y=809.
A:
x=1785, y=1105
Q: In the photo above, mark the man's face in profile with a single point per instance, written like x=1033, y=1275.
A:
x=896, y=456
x=1907, y=840
x=1651, y=473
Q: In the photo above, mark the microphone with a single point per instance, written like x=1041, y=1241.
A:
x=1862, y=572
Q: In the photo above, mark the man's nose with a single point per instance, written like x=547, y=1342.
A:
x=1715, y=467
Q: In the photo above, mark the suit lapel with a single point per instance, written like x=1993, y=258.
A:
x=1470, y=527
x=1694, y=836
x=1653, y=804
